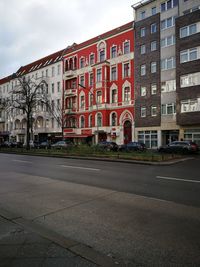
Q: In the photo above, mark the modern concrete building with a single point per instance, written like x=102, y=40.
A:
x=159, y=118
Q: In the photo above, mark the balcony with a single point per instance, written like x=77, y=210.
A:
x=70, y=92
x=69, y=111
x=69, y=74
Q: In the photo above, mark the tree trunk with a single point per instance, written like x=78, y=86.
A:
x=28, y=133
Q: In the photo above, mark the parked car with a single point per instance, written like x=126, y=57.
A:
x=180, y=147
x=62, y=144
x=44, y=145
x=108, y=146
x=32, y=144
x=133, y=146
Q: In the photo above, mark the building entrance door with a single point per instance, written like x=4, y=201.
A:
x=127, y=132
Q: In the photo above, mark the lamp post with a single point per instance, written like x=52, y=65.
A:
x=97, y=131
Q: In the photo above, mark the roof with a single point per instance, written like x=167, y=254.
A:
x=141, y=3
x=105, y=35
x=5, y=79
x=43, y=62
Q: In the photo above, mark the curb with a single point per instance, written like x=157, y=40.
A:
x=73, y=246
x=154, y=163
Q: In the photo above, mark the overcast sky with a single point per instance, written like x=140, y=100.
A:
x=32, y=29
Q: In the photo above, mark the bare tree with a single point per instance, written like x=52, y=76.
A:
x=27, y=95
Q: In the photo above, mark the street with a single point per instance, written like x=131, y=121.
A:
x=142, y=215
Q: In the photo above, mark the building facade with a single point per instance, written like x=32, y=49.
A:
x=45, y=124
x=99, y=88
x=159, y=98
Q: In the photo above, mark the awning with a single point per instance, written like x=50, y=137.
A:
x=77, y=135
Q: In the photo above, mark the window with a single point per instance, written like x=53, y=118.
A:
x=167, y=23
x=143, y=112
x=58, y=69
x=113, y=51
x=52, y=105
x=153, y=28
x=99, y=119
x=102, y=55
x=126, y=70
x=58, y=87
x=168, y=5
x=190, y=105
x=153, y=46
x=168, y=109
x=113, y=119
x=58, y=103
x=188, y=55
x=143, y=70
x=142, y=15
x=168, y=63
x=153, y=67
x=90, y=121
x=153, y=89
x=127, y=94
x=47, y=73
x=167, y=41
x=143, y=90
x=113, y=73
x=153, y=111
x=91, y=59
x=99, y=97
x=82, y=62
x=126, y=47
x=153, y=10
x=52, y=88
x=91, y=79
x=142, y=32
x=142, y=49
x=114, y=96
x=53, y=72
x=191, y=79
x=82, y=80
x=168, y=86
x=91, y=96
x=188, y=30
x=149, y=138
x=99, y=76
x=82, y=102
x=82, y=122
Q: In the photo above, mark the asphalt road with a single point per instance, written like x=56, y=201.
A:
x=142, y=215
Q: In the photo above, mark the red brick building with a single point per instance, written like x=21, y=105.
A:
x=98, y=87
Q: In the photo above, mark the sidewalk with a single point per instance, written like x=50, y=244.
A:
x=22, y=246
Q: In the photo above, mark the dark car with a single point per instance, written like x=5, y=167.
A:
x=108, y=146
x=180, y=147
x=44, y=145
x=133, y=146
x=62, y=144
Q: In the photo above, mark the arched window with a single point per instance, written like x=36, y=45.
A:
x=99, y=119
x=90, y=121
x=113, y=119
x=127, y=94
x=102, y=51
x=114, y=96
x=82, y=121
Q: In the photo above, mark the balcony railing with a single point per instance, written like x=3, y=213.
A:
x=70, y=74
x=70, y=92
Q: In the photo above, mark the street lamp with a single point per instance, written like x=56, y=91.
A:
x=97, y=131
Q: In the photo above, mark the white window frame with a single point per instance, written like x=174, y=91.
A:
x=168, y=86
x=142, y=32
x=142, y=49
x=125, y=47
x=191, y=79
x=188, y=30
x=143, y=112
x=143, y=70
x=153, y=45
x=153, y=67
x=153, y=89
x=165, y=109
x=186, y=55
x=143, y=91
x=154, y=111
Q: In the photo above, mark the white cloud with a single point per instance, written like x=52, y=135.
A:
x=35, y=28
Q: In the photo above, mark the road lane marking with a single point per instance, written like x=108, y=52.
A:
x=77, y=167
x=177, y=179
x=23, y=161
